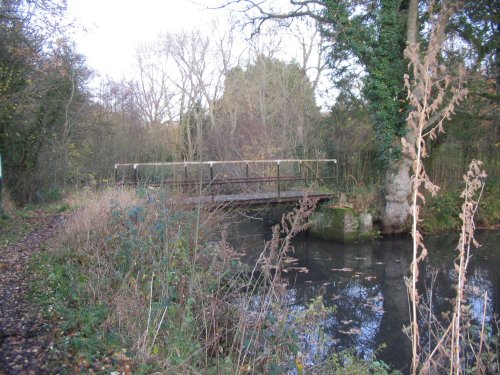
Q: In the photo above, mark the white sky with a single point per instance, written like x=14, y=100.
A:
x=116, y=27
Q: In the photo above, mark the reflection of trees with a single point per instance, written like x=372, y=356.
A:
x=489, y=263
x=358, y=303
x=439, y=294
x=355, y=294
x=357, y=312
x=372, y=298
x=396, y=264
x=495, y=295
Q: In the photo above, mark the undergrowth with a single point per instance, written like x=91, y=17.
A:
x=139, y=286
x=15, y=223
x=132, y=285
x=441, y=213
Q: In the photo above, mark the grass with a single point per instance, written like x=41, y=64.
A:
x=137, y=286
x=132, y=277
x=348, y=363
x=16, y=223
x=12, y=230
x=60, y=290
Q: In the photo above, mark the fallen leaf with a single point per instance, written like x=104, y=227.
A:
x=345, y=269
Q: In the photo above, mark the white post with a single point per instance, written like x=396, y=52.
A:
x=1, y=183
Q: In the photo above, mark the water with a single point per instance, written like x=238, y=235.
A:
x=365, y=283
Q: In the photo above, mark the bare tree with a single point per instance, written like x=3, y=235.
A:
x=265, y=111
x=154, y=95
x=201, y=64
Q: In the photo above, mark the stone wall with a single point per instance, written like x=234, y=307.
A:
x=341, y=224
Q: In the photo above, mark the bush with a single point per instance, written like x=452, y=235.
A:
x=138, y=275
x=442, y=212
x=488, y=213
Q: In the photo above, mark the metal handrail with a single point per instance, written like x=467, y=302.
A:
x=214, y=162
x=278, y=178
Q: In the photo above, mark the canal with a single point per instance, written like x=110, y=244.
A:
x=365, y=287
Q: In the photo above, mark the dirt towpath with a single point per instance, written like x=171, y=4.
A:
x=26, y=338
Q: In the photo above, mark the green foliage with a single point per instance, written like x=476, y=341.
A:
x=40, y=92
x=373, y=34
x=59, y=288
x=442, y=212
x=376, y=38
x=348, y=363
x=488, y=213
x=477, y=23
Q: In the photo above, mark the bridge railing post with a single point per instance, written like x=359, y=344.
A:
x=136, y=175
x=210, y=187
x=278, y=177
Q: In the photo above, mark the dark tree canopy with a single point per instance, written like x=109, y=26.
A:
x=41, y=84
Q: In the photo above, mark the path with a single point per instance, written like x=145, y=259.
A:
x=26, y=338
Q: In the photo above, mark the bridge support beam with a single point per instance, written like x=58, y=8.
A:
x=340, y=224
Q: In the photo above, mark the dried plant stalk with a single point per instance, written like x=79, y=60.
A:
x=428, y=89
x=474, y=185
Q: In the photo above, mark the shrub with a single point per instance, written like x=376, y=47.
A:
x=146, y=277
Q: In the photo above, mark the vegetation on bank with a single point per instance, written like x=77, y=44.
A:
x=138, y=285
x=441, y=213
x=16, y=223
x=136, y=288
x=133, y=289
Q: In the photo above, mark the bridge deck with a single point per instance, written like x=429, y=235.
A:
x=258, y=198
x=288, y=178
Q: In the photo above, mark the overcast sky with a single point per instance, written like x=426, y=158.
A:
x=114, y=28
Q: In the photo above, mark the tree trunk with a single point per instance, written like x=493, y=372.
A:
x=411, y=23
x=397, y=176
x=397, y=192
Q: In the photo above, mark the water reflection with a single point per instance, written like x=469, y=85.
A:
x=365, y=283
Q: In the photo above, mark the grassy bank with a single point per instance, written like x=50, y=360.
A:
x=16, y=223
x=138, y=287
x=442, y=212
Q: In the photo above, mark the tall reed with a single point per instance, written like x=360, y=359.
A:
x=433, y=99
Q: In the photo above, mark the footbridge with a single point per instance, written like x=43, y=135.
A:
x=243, y=182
